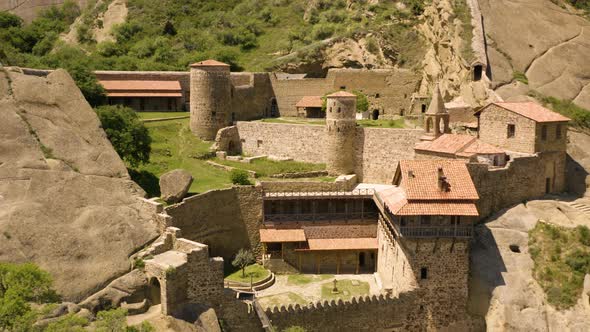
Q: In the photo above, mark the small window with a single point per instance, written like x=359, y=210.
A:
x=423, y=273
x=343, y=87
x=544, y=132
x=558, y=131
x=213, y=114
x=258, y=143
x=330, y=109
x=338, y=109
x=377, y=95
x=423, y=108
x=511, y=131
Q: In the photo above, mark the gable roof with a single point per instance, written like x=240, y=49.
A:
x=530, y=110
x=419, y=179
x=397, y=203
x=457, y=144
x=282, y=235
x=310, y=101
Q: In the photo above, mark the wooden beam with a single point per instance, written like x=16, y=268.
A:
x=338, y=263
x=283, y=250
x=299, y=259
x=317, y=261
x=358, y=262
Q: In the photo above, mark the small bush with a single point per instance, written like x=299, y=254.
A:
x=521, y=77
x=239, y=177
x=583, y=235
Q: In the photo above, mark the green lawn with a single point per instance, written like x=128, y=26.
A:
x=304, y=279
x=156, y=115
x=346, y=290
x=282, y=299
x=264, y=167
x=316, y=179
x=256, y=271
x=399, y=123
x=562, y=259
x=174, y=146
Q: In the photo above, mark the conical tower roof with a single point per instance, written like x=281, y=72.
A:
x=437, y=105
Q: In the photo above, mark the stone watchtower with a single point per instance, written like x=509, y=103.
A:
x=211, y=92
x=436, y=119
x=341, y=132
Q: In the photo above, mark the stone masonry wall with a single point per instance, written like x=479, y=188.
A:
x=493, y=124
x=300, y=142
x=378, y=150
x=226, y=219
x=360, y=314
x=523, y=178
x=552, y=142
x=252, y=95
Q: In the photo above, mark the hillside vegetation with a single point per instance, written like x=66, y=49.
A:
x=251, y=35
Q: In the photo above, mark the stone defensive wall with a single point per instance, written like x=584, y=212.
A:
x=357, y=314
x=520, y=180
x=388, y=90
x=226, y=219
x=378, y=150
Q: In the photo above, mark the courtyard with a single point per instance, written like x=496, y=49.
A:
x=304, y=289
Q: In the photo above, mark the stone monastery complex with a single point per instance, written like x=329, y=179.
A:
x=403, y=206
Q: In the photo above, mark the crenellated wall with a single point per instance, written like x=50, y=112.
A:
x=374, y=313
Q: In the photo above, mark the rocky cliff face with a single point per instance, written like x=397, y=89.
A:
x=546, y=42
x=28, y=9
x=66, y=200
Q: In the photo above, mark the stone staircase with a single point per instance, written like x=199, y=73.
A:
x=582, y=207
x=256, y=286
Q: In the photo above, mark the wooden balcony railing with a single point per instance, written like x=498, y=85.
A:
x=436, y=231
x=320, y=216
x=358, y=193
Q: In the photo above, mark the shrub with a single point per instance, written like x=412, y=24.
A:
x=8, y=20
x=239, y=177
x=362, y=103
x=127, y=133
x=583, y=235
x=521, y=77
x=322, y=31
x=111, y=320
x=69, y=322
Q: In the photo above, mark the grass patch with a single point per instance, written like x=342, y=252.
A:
x=398, y=123
x=174, y=146
x=580, y=116
x=304, y=279
x=463, y=13
x=256, y=271
x=264, y=167
x=282, y=299
x=158, y=115
x=295, y=121
x=520, y=77
x=346, y=289
x=562, y=258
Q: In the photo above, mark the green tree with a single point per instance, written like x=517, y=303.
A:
x=69, y=322
x=240, y=177
x=111, y=320
x=20, y=285
x=243, y=258
x=8, y=20
x=127, y=133
x=362, y=103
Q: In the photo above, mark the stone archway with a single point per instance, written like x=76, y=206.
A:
x=375, y=115
x=154, y=291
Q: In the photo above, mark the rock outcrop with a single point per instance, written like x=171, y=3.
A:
x=547, y=42
x=174, y=185
x=29, y=9
x=502, y=288
x=66, y=200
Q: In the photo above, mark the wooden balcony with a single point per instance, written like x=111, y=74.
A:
x=359, y=193
x=321, y=217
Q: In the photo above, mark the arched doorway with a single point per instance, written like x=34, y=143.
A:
x=375, y=114
x=477, y=72
x=154, y=292
x=274, y=108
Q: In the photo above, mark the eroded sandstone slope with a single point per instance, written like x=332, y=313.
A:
x=66, y=200
x=546, y=42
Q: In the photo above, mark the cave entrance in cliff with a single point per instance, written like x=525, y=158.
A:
x=375, y=115
x=274, y=108
x=477, y=72
x=154, y=291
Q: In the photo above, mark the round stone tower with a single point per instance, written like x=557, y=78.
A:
x=210, y=101
x=340, y=133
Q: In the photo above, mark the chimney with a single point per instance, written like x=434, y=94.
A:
x=443, y=184
x=410, y=173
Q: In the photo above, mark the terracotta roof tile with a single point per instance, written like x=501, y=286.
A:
x=480, y=147
x=152, y=86
x=209, y=63
x=419, y=179
x=438, y=208
x=532, y=111
x=310, y=101
x=341, y=94
x=282, y=235
x=144, y=94
x=343, y=244
x=447, y=143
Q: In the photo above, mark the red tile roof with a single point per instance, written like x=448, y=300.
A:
x=343, y=244
x=438, y=208
x=310, y=101
x=154, y=86
x=144, y=94
x=532, y=111
x=341, y=94
x=419, y=179
x=209, y=63
x=282, y=235
x=461, y=145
